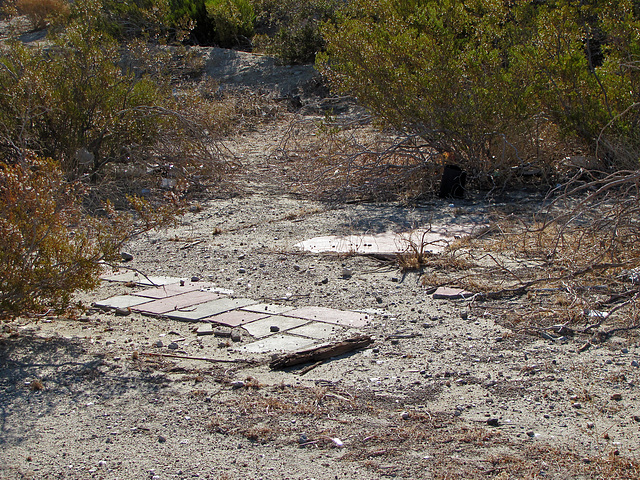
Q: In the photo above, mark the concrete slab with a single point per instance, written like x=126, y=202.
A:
x=277, y=343
x=331, y=315
x=435, y=239
x=209, y=309
x=176, y=302
x=167, y=290
x=122, y=301
x=448, y=293
x=317, y=330
x=235, y=318
x=269, y=308
x=135, y=277
x=262, y=328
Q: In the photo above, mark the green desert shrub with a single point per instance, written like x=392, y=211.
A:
x=233, y=21
x=482, y=79
x=291, y=30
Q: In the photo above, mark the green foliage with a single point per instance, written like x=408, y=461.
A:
x=479, y=77
x=291, y=29
x=233, y=21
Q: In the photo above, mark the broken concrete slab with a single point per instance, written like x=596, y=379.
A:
x=205, y=329
x=122, y=301
x=276, y=343
x=263, y=328
x=176, y=302
x=331, y=315
x=272, y=309
x=448, y=293
x=235, y=318
x=209, y=309
x=434, y=239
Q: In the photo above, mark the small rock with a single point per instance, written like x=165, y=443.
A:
x=122, y=312
x=173, y=346
x=237, y=384
x=464, y=315
x=347, y=272
x=324, y=281
x=102, y=463
x=126, y=256
x=161, y=439
x=236, y=336
x=274, y=328
x=625, y=350
x=634, y=363
x=158, y=344
x=493, y=422
x=296, y=268
x=394, y=279
x=222, y=332
x=636, y=418
x=302, y=439
x=395, y=341
x=405, y=415
x=242, y=270
x=242, y=257
x=616, y=397
x=531, y=433
x=195, y=279
x=590, y=425
x=576, y=405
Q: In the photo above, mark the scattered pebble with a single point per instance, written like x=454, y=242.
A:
x=161, y=439
x=237, y=384
x=126, y=256
x=274, y=328
x=242, y=270
x=493, y=422
x=158, y=344
x=616, y=397
x=405, y=415
x=195, y=279
x=172, y=346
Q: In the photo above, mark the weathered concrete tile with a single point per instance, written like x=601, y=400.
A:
x=331, y=315
x=263, y=328
x=272, y=309
x=167, y=290
x=135, y=277
x=205, y=329
x=235, y=318
x=317, y=330
x=276, y=343
x=122, y=301
x=448, y=293
x=176, y=302
x=209, y=309
x=435, y=239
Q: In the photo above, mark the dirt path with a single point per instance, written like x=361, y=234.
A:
x=448, y=388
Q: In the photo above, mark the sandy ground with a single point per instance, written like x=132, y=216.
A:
x=447, y=389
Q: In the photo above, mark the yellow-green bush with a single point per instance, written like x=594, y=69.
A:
x=48, y=250
x=483, y=78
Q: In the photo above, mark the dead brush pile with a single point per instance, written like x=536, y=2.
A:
x=577, y=262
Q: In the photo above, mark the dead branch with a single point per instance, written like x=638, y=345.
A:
x=322, y=352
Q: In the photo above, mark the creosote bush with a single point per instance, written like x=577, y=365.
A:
x=484, y=79
x=50, y=247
